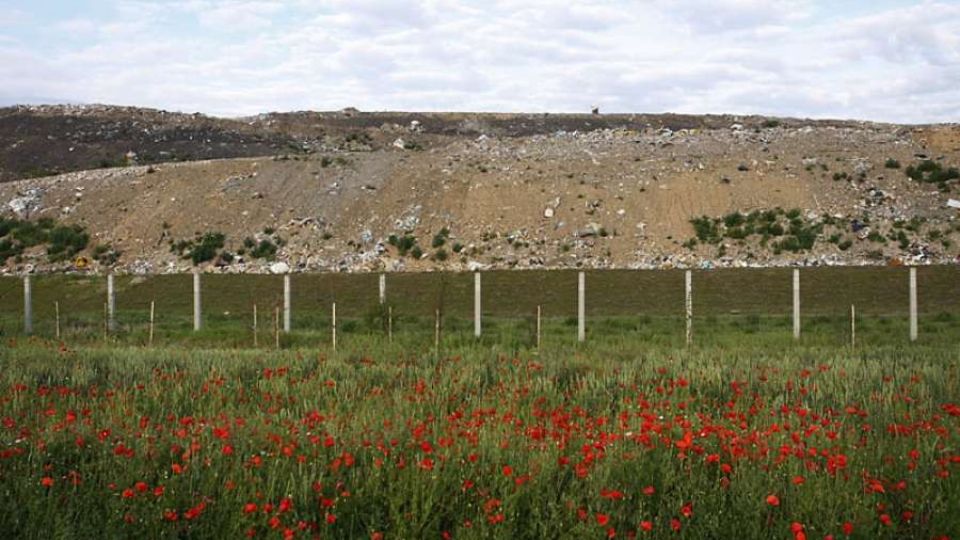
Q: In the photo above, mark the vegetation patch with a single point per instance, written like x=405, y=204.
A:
x=62, y=241
x=932, y=172
x=201, y=248
x=788, y=229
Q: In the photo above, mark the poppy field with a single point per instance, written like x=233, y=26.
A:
x=612, y=440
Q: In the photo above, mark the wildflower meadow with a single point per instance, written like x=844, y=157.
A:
x=610, y=440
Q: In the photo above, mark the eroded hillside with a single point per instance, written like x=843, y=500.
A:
x=370, y=191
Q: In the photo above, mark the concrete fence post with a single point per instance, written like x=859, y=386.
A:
x=539, y=326
x=27, y=306
x=477, y=312
x=853, y=326
x=581, y=307
x=688, y=304
x=286, y=303
x=333, y=326
x=913, y=303
x=796, y=303
x=111, y=304
x=383, y=289
x=197, y=318
x=152, y=306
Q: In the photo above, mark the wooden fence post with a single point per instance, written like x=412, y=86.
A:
x=853, y=326
x=56, y=309
x=255, y=337
x=436, y=333
x=276, y=327
x=389, y=324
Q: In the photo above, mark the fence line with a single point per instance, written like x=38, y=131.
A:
x=110, y=322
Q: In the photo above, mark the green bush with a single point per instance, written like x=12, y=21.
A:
x=932, y=172
x=201, y=248
x=265, y=249
x=733, y=220
x=403, y=243
x=29, y=234
x=206, y=249
x=706, y=230
x=66, y=241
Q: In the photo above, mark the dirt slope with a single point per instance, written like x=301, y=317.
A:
x=512, y=190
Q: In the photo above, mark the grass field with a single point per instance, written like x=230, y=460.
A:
x=618, y=438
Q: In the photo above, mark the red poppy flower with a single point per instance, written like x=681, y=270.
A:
x=46, y=481
x=602, y=519
x=773, y=500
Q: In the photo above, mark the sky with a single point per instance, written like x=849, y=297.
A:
x=882, y=60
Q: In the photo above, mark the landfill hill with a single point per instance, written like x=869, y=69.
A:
x=359, y=191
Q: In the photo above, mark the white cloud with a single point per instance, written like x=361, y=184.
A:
x=788, y=57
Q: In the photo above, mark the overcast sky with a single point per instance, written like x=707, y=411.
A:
x=887, y=60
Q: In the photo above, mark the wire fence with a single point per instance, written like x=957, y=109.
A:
x=727, y=304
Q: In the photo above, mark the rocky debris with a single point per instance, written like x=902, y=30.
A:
x=279, y=268
x=26, y=203
x=590, y=230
